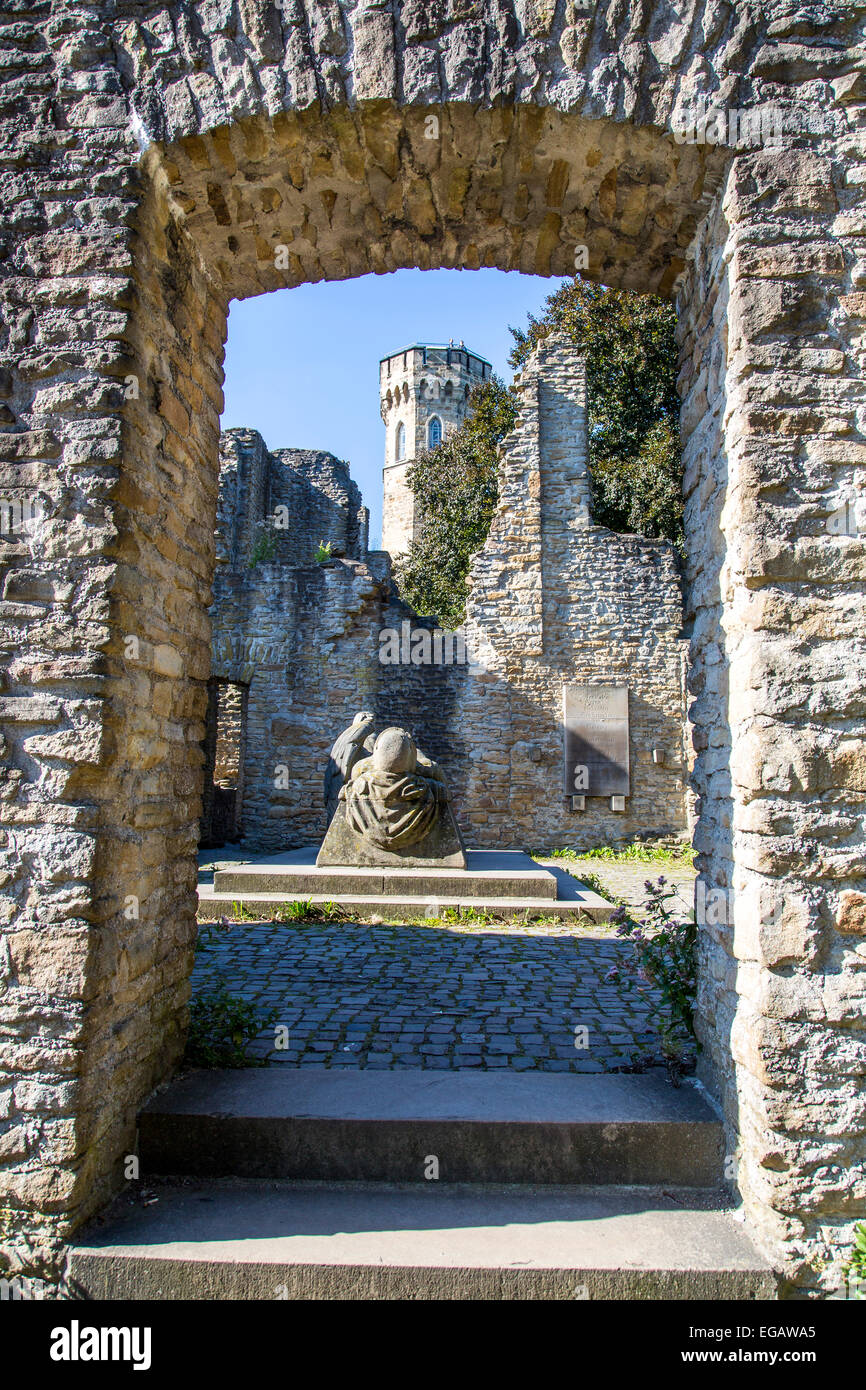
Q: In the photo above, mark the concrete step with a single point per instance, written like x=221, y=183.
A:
x=428, y=885
x=541, y=1127
x=587, y=905
x=381, y=1241
x=488, y=873
x=507, y=883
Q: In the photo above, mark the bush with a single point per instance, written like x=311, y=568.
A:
x=264, y=549
x=456, y=489
x=664, y=957
x=221, y=1027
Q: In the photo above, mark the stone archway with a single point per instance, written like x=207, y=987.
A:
x=158, y=166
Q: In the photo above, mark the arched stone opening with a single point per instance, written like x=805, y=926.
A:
x=133, y=260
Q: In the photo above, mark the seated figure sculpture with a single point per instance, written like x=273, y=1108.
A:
x=393, y=796
x=393, y=805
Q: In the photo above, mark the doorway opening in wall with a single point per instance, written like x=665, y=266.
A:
x=368, y=430
x=225, y=758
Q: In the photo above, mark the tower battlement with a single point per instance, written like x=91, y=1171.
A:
x=424, y=389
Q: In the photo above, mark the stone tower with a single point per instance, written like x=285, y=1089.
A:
x=423, y=392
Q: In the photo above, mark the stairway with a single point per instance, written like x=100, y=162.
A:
x=280, y=1183
x=507, y=883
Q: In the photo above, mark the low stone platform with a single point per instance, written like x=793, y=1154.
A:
x=507, y=883
x=281, y=1122
x=282, y=1240
x=285, y=1186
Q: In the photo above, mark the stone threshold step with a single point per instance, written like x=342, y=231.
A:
x=355, y=1241
x=279, y=1122
x=488, y=873
x=415, y=883
x=590, y=907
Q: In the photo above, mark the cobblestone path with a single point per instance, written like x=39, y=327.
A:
x=418, y=996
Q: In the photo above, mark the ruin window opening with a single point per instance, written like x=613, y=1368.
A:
x=224, y=750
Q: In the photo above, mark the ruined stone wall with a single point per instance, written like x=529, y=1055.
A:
x=281, y=505
x=773, y=418
x=556, y=600
x=276, y=618
x=106, y=647
x=231, y=734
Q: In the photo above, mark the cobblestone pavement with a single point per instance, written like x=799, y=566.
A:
x=436, y=997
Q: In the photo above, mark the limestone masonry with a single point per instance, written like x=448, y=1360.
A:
x=424, y=390
x=158, y=159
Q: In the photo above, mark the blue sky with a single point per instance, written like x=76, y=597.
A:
x=302, y=365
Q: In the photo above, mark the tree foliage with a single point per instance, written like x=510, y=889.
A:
x=631, y=363
x=455, y=490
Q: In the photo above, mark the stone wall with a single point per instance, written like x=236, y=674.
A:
x=277, y=620
x=280, y=506
x=556, y=600
x=773, y=419
x=231, y=734
x=158, y=160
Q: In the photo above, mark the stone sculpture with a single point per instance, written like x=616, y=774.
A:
x=347, y=750
x=392, y=806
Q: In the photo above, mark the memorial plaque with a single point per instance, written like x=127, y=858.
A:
x=595, y=726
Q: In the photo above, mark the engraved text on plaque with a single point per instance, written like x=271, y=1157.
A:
x=595, y=723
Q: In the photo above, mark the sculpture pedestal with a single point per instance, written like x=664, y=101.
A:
x=504, y=882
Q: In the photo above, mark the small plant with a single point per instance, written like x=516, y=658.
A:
x=221, y=1027
x=323, y=552
x=641, y=852
x=211, y=932
x=468, y=916
x=307, y=911
x=594, y=883
x=297, y=911
x=854, y=1268
x=242, y=914
x=664, y=957
x=265, y=548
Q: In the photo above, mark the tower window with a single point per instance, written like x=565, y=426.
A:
x=401, y=441
x=434, y=432
x=449, y=387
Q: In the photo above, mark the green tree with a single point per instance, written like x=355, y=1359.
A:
x=455, y=489
x=631, y=363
